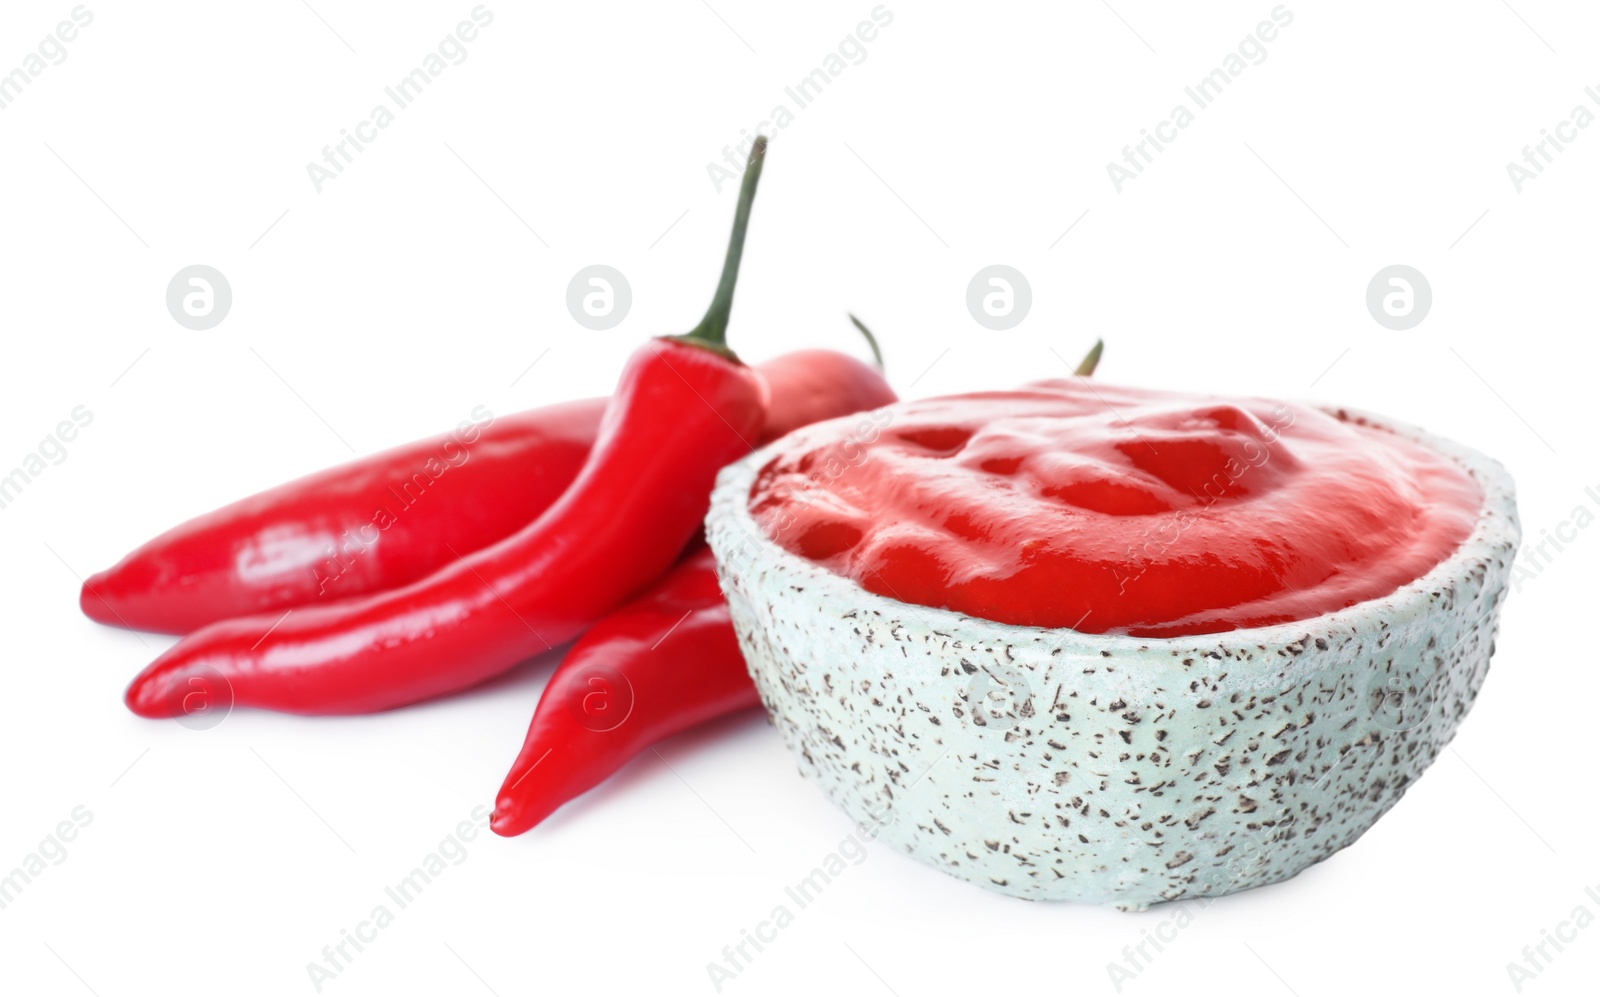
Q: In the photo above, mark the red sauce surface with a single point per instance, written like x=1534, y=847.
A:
x=1116, y=510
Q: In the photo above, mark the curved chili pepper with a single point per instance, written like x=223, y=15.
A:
x=684, y=407
x=658, y=665
x=390, y=519
x=368, y=525
x=663, y=663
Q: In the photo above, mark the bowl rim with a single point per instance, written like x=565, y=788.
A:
x=1496, y=533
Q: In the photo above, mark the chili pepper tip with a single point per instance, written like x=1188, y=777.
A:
x=151, y=695
x=509, y=820
x=94, y=605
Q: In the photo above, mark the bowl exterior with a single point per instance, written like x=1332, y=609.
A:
x=1105, y=769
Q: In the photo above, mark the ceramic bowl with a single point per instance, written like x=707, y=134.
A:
x=1055, y=765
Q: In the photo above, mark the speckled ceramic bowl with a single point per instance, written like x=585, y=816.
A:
x=1105, y=769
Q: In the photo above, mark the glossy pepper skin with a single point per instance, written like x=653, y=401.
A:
x=372, y=524
x=684, y=407
x=656, y=666
x=668, y=660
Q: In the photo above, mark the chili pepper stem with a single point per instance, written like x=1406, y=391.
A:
x=1090, y=360
x=712, y=332
x=872, y=341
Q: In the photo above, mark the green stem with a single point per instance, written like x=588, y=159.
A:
x=872, y=341
x=712, y=332
x=1090, y=360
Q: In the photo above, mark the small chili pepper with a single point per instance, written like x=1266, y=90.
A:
x=684, y=407
x=390, y=519
x=658, y=665
x=811, y=385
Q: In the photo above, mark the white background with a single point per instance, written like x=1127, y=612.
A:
x=432, y=273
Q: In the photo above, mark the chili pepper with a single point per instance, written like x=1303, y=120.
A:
x=372, y=524
x=821, y=384
x=811, y=385
x=658, y=665
x=684, y=407
x=387, y=520
x=663, y=663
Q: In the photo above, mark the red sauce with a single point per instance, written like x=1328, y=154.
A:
x=1116, y=510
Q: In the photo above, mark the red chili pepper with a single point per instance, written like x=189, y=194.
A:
x=685, y=406
x=658, y=665
x=385, y=521
x=377, y=523
x=661, y=664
